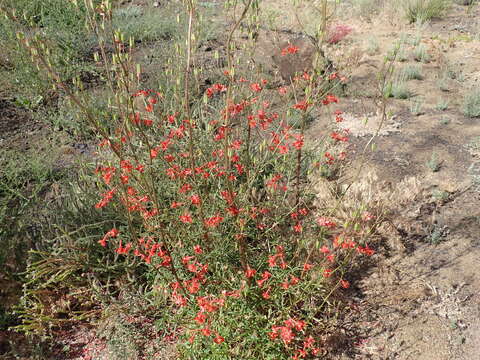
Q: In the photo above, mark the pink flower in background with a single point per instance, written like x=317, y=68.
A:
x=337, y=33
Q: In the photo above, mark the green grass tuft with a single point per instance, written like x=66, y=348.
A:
x=420, y=11
x=471, y=104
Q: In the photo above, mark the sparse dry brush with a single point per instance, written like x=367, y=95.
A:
x=207, y=206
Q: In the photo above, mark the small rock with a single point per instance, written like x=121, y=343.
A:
x=156, y=4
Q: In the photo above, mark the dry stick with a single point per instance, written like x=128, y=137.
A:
x=242, y=246
x=383, y=120
x=186, y=99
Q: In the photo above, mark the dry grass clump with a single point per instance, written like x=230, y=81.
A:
x=367, y=192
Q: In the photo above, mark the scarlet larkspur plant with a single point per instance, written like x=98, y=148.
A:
x=216, y=205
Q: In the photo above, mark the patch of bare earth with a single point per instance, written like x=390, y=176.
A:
x=422, y=299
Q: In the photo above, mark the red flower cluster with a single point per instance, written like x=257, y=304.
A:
x=215, y=89
x=110, y=234
x=290, y=49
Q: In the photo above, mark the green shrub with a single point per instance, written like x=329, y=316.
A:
x=411, y=72
x=147, y=25
x=423, y=10
x=397, y=52
x=434, y=164
x=471, y=104
x=368, y=8
x=420, y=54
x=416, y=107
x=372, y=46
x=442, y=105
x=398, y=89
x=58, y=23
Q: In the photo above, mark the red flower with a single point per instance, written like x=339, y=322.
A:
x=197, y=249
x=272, y=260
x=330, y=158
x=302, y=105
x=366, y=216
x=186, y=218
x=299, y=143
x=294, y=281
x=324, y=250
x=330, y=99
x=296, y=324
x=220, y=87
x=233, y=210
x=195, y=199
x=345, y=284
x=336, y=136
x=213, y=221
x=179, y=300
x=298, y=227
x=185, y=188
x=265, y=276
x=325, y=222
x=200, y=318
x=266, y=294
x=255, y=87
x=308, y=343
x=249, y=273
x=307, y=267
x=107, y=197
x=153, y=153
x=206, y=332
x=286, y=334
x=366, y=250
x=175, y=204
x=113, y=233
x=169, y=158
x=193, y=286
x=289, y=50
x=218, y=339
x=126, y=165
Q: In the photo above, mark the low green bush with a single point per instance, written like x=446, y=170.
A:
x=420, y=11
x=471, y=103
